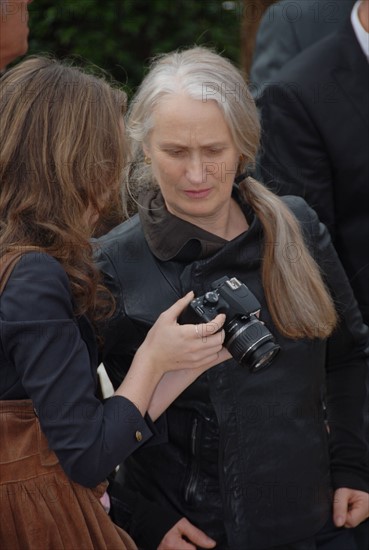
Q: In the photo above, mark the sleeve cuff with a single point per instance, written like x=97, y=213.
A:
x=123, y=409
x=349, y=480
x=159, y=429
x=144, y=430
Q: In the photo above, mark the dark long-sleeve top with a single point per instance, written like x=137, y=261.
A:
x=50, y=356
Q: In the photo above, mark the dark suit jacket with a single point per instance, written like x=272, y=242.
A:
x=315, y=144
x=287, y=28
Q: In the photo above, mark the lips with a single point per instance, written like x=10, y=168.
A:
x=198, y=194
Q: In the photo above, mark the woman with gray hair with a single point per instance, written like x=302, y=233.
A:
x=253, y=453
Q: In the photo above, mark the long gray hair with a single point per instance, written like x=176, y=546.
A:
x=297, y=298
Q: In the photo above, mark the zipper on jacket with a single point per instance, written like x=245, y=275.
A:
x=192, y=482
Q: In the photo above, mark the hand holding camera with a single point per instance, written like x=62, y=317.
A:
x=247, y=338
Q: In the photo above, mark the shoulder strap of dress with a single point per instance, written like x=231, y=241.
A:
x=8, y=262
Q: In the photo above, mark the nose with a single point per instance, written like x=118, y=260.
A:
x=195, y=170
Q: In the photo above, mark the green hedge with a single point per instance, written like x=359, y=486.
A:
x=121, y=35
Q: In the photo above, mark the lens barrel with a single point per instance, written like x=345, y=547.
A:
x=250, y=342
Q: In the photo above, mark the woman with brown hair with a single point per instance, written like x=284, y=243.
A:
x=62, y=154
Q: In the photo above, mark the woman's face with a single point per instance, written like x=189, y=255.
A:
x=194, y=159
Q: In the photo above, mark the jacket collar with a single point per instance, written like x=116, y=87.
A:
x=171, y=238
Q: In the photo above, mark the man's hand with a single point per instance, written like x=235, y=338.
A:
x=173, y=540
x=350, y=507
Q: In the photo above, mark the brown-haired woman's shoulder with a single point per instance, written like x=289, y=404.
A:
x=38, y=289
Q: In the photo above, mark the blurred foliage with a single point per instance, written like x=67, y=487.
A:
x=122, y=35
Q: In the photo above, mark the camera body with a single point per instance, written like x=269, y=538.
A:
x=247, y=339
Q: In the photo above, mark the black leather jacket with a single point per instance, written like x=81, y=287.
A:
x=248, y=458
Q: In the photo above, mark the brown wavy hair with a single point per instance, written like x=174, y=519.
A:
x=62, y=153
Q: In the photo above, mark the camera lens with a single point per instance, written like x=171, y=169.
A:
x=250, y=342
x=264, y=356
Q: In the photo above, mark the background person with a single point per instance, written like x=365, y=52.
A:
x=62, y=152
x=315, y=123
x=13, y=30
x=287, y=28
x=249, y=460
x=315, y=119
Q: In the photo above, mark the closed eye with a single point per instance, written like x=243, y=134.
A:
x=214, y=151
x=175, y=152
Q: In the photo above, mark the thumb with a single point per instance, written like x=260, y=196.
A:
x=340, y=506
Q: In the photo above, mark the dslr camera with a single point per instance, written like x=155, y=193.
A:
x=246, y=338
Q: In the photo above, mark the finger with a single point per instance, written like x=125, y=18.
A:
x=356, y=514
x=207, y=335
x=195, y=535
x=219, y=357
x=224, y=355
x=212, y=327
x=353, y=518
x=202, y=362
x=204, y=346
x=213, y=343
x=216, y=324
x=340, y=505
x=176, y=309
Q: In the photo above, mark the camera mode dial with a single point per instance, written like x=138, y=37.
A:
x=211, y=297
